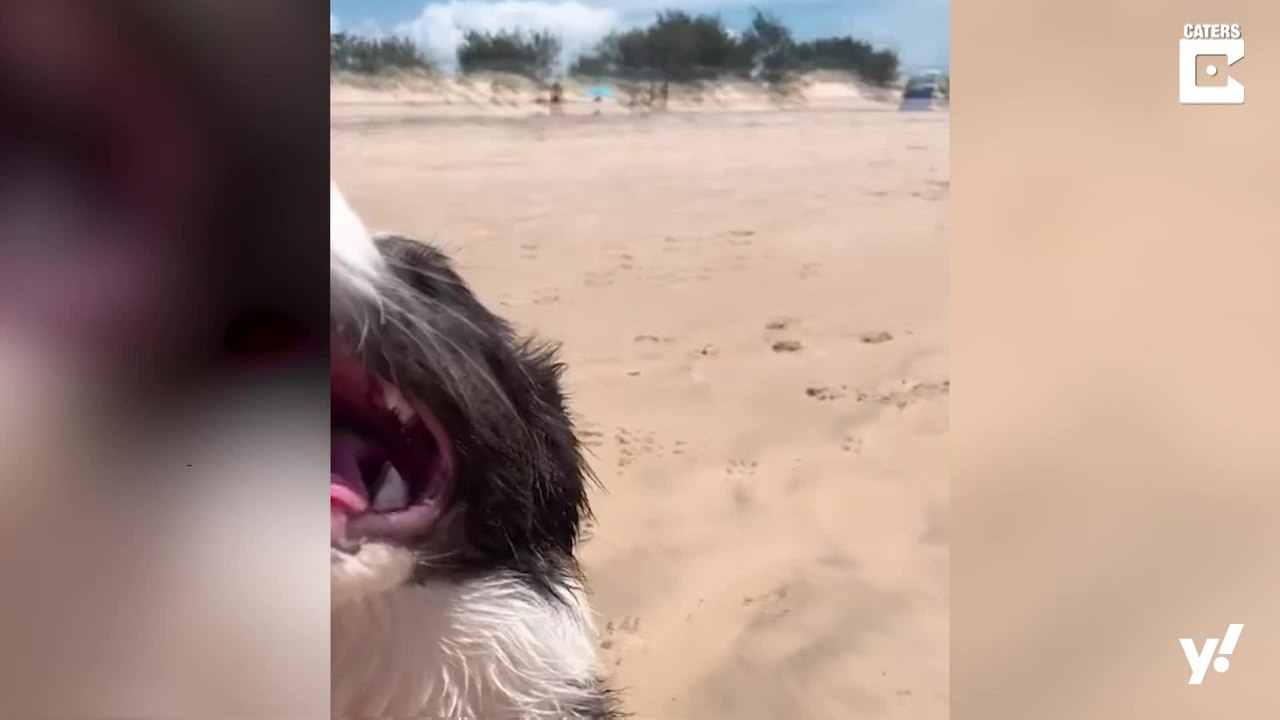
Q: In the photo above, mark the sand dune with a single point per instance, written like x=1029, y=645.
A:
x=408, y=94
x=753, y=310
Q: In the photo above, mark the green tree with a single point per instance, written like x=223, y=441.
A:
x=513, y=51
x=684, y=47
x=354, y=53
x=679, y=46
x=621, y=54
x=879, y=67
x=767, y=46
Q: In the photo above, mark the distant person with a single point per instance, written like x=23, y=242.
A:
x=557, y=98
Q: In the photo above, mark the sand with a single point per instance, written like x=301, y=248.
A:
x=753, y=308
x=410, y=95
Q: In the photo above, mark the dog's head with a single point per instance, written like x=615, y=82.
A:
x=452, y=450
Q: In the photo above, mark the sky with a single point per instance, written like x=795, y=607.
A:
x=919, y=30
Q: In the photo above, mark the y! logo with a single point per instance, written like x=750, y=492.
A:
x=1199, y=661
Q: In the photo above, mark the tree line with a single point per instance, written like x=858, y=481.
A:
x=359, y=54
x=676, y=46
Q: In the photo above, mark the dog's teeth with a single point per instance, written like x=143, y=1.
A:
x=392, y=493
x=395, y=402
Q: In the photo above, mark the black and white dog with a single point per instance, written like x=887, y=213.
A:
x=457, y=492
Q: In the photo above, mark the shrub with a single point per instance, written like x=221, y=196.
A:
x=532, y=55
x=676, y=46
x=878, y=67
x=354, y=53
x=681, y=46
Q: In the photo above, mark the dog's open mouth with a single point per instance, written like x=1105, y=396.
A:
x=391, y=462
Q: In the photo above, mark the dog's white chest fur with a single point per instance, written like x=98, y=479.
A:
x=490, y=648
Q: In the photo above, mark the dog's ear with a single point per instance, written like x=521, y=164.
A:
x=531, y=505
x=566, y=475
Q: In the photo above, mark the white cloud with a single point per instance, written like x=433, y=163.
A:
x=441, y=27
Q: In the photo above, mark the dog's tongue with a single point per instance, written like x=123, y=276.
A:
x=347, y=491
x=343, y=504
x=343, y=499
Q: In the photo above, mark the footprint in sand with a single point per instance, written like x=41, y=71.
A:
x=597, y=279
x=617, y=637
x=779, y=323
x=909, y=394
x=651, y=348
x=824, y=394
x=546, y=296
x=787, y=346
x=706, y=351
x=851, y=444
x=808, y=271
x=633, y=445
x=769, y=606
x=875, y=338
x=737, y=472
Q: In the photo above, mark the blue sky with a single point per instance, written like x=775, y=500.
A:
x=919, y=30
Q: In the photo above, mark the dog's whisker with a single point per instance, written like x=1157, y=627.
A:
x=430, y=340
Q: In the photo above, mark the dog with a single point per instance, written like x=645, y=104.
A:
x=458, y=490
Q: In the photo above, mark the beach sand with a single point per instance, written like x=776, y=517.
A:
x=753, y=308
